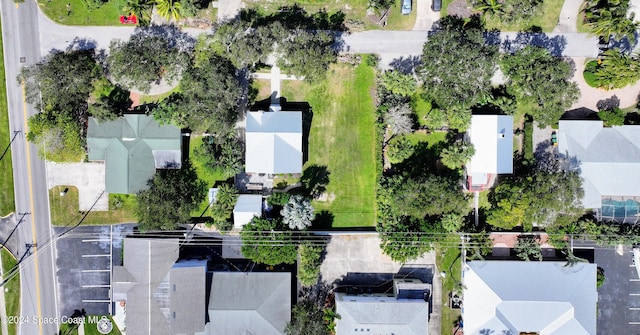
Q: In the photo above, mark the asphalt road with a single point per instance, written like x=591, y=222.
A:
x=21, y=38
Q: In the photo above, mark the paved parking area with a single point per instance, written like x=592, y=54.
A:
x=85, y=257
x=87, y=177
x=619, y=296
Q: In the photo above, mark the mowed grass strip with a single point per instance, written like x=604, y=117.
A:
x=64, y=208
x=342, y=138
x=7, y=200
x=76, y=13
x=547, y=19
x=11, y=289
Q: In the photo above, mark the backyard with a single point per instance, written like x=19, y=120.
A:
x=208, y=176
x=11, y=289
x=342, y=139
x=449, y=261
x=6, y=171
x=64, y=209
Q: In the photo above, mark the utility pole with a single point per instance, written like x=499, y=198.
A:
x=22, y=215
x=15, y=134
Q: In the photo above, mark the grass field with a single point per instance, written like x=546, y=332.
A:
x=89, y=329
x=204, y=174
x=342, y=138
x=7, y=203
x=107, y=15
x=12, y=289
x=397, y=21
x=449, y=261
x=64, y=209
x=547, y=19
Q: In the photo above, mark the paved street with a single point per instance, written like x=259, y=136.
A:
x=38, y=282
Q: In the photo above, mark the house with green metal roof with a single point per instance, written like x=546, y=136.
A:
x=132, y=148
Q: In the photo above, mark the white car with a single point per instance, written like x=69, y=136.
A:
x=406, y=7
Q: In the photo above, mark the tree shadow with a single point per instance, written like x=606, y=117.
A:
x=175, y=37
x=555, y=45
x=315, y=179
x=323, y=220
x=623, y=44
x=294, y=17
x=79, y=43
x=581, y=113
x=609, y=103
x=406, y=65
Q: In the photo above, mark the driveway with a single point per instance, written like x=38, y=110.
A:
x=87, y=177
x=425, y=17
x=619, y=296
x=568, y=17
x=85, y=258
x=589, y=96
x=358, y=259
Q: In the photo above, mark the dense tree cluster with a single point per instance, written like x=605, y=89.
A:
x=268, y=242
x=608, y=18
x=171, y=197
x=548, y=89
x=222, y=208
x=509, y=11
x=298, y=213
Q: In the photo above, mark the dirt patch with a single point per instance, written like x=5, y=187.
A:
x=326, y=197
x=461, y=8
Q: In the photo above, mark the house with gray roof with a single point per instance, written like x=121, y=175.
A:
x=514, y=297
x=273, y=141
x=160, y=296
x=246, y=303
x=133, y=147
x=405, y=310
x=608, y=159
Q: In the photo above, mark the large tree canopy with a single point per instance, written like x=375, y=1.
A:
x=538, y=78
x=307, y=53
x=62, y=81
x=149, y=56
x=247, y=46
x=457, y=65
x=536, y=199
x=172, y=195
x=268, y=242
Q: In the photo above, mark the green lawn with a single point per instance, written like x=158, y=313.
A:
x=64, y=209
x=342, y=138
x=11, y=289
x=449, y=261
x=547, y=19
x=89, y=329
x=397, y=21
x=205, y=174
x=107, y=15
x=432, y=138
x=148, y=99
x=7, y=204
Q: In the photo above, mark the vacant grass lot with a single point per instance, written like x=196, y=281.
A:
x=107, y=15
x=11, y=289
x=64, y=209
x=342, y=138
x=547, y=19
x=7, y=203
x=89, y=329
x=449, y=261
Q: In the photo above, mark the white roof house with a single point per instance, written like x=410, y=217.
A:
x=492, y=139
x=608, y=158
x=514, y=297
x=273, y=141
x=247, y=206
x=403, y=311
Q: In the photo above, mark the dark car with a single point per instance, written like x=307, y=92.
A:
x=436, y=6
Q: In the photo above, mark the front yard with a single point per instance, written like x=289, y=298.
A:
x=64, y=209
x=342, y=139
x=449, y=261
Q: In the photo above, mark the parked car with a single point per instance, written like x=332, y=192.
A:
x=436, y=6
x=554, y=139
x=406, y=7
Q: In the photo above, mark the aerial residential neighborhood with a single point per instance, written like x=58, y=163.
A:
x=381, y=167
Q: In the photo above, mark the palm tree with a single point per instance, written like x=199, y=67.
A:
x=457, y=155
x=141, y=9
x=169, y=9
x=607, y=25
x=618, y=70
x=490, y=8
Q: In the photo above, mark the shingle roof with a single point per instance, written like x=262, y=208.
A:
x=502, y=296
x=492, y=139
x=249, y=303
x=132, y=147
x=273, y=142
x=375, y=315
x=608, y=158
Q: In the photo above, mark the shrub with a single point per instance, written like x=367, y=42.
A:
x=279, y=198
x=310, y=261
x=612, y=117
x=591, y=79
x=399, y=150
x=600, y=277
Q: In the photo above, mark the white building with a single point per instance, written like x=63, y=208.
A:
x=247, y=206
x=492, y=139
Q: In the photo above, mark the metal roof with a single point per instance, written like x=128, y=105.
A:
x=502, y=296
x=247, y=206
x=492, y=139
x=133, y=146
x=273, y=142
x=608, y=158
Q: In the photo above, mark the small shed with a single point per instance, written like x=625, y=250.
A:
x=247, y=206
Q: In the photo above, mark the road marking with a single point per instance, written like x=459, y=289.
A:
x=97, y=301
x=634, y=293
x=33, y=221
x=110, y=271
x=634, y=308
x=95, y=286
x=634, y=279
x=634, y=323
x=105, y=255
x=96, y=240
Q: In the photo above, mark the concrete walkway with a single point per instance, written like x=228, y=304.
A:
x=425, y=17
x=87, y=177
x=228, y=9
x=568, y=17
x=275, y=76
x=3, y=305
